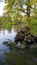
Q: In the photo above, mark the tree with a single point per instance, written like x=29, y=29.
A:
x=21, y=6
x=27, y=10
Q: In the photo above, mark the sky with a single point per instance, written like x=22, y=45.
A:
x=2, y=4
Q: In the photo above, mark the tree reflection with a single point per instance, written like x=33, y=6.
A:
x=20, y=59
x=1, y=63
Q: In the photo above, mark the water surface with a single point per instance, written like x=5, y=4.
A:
x=5, y=35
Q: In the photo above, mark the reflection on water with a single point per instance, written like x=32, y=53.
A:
x=10, y=55
x=4, y=35
x=7, y=35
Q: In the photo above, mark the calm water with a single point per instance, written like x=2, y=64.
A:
x=6, y=56
x=4, y=35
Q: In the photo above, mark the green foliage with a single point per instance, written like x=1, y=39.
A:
x=15, y=8
x=33, y=26
x=5, y=22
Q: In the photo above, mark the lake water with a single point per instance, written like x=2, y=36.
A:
x=4, y=35
x=6, y=53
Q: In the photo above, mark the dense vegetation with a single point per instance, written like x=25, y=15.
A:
x=18, y=13
x=15, y=8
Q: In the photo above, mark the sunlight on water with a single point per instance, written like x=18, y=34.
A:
x=4, y=35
